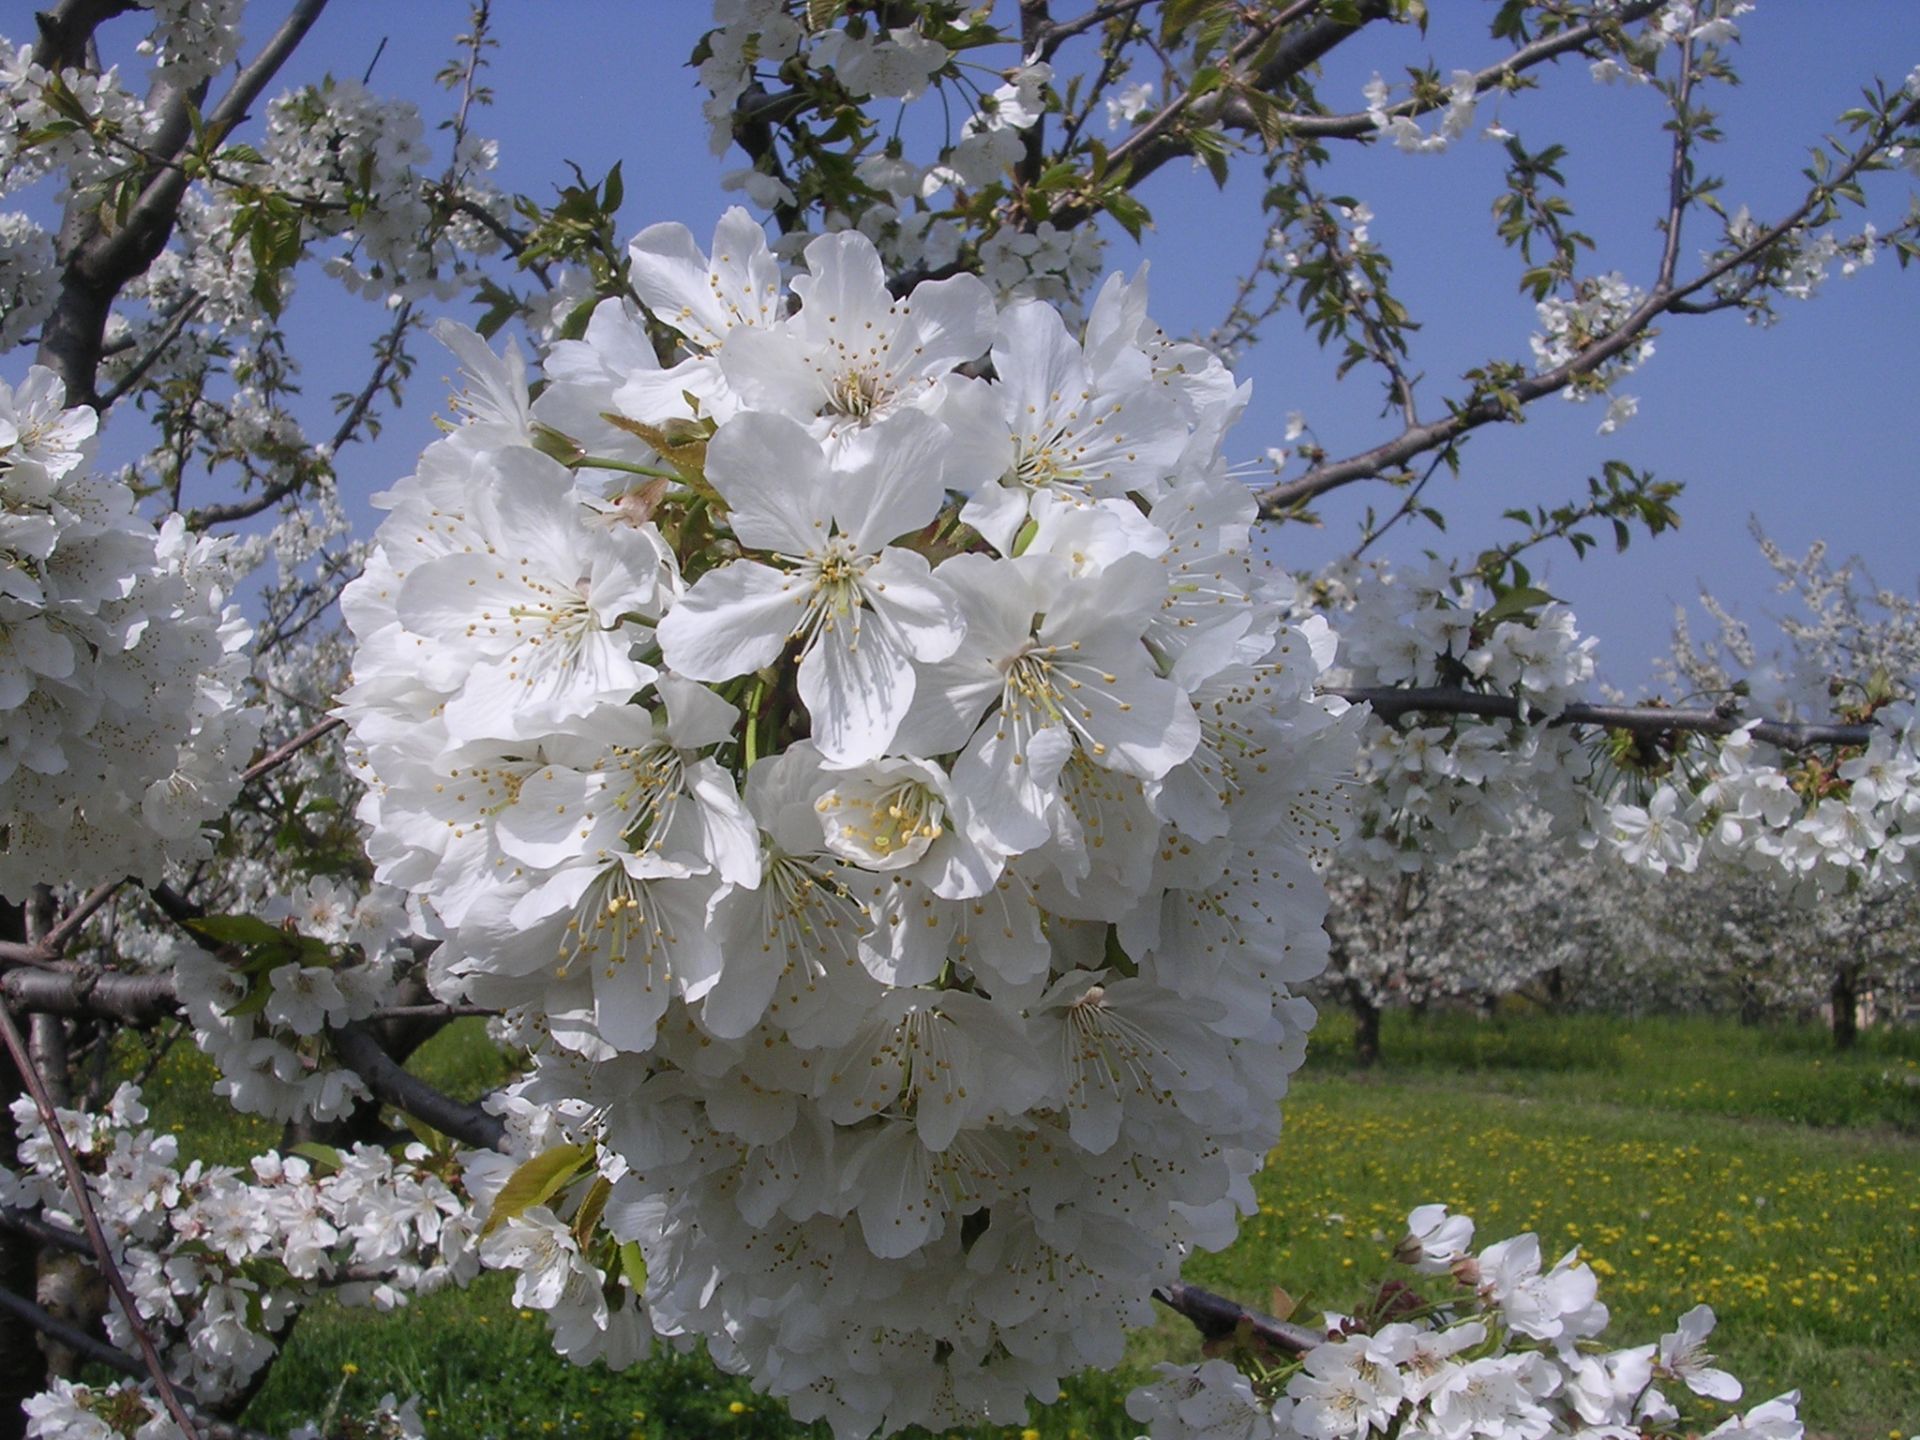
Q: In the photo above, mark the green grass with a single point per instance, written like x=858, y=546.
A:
x=1689, y=1159
x=1675, y=1064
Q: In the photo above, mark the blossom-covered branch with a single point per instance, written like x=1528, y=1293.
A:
x=1393, y=702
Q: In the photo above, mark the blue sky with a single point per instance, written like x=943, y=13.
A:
x=1809, y=427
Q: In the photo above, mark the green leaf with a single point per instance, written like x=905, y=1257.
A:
x=633, y=1265
x=252, y=1003
x=1517, y=601
x=536, y=1182
x=325, y=1158
x=591, y=1208
x=240, y=930
x=1132, y=215
x=435, y=1142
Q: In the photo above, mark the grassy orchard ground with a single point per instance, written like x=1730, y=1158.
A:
x=1690, y=1159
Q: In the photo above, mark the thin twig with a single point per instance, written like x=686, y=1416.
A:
x=102, y=1251
x=1679, y=169
x=182, y=314
x=1360, y=123
x=57, y=939
x=279, y=756
x=1278, y=500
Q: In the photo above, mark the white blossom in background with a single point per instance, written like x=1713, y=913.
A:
x=1434, y=787
x=27, y=278
x=124, y=721
x=261, y=1024
x=905, y=916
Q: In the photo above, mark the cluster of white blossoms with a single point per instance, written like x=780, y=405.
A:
x=219, y=1260
x=1601, y=305
x=884, y=797
x=329, y=958
x=124, y=1410
x=355, y=162
x=1463, y=99
x=38, y=109
x=1816, y=826
x=27, y=272
x=916, y=217
x=1508, y=1347
x=1434, y=787
x=123, y=725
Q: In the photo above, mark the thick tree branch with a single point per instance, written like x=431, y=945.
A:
x=390, y=1083
x=66, y=28
x=1218, y=1318
x=90, y=991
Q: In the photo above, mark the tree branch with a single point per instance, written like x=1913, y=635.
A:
x=387, y=352
x=67, y=27
x=1679, y=169
x=1392, y=702
x=1359, y=124
x=280, y=755
x=1060, y=31
x=1277, y=500
x=41, y=1233
x=1218, y=1318
x=392, y=1084
x=102, y=263
x=182, y=314
x=143, y=999
x=90, y=991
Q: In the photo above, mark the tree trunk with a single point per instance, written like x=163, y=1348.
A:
x=1844, y=999
x=1366, y=1030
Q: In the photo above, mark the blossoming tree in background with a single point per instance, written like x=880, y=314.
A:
x=842, y=720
